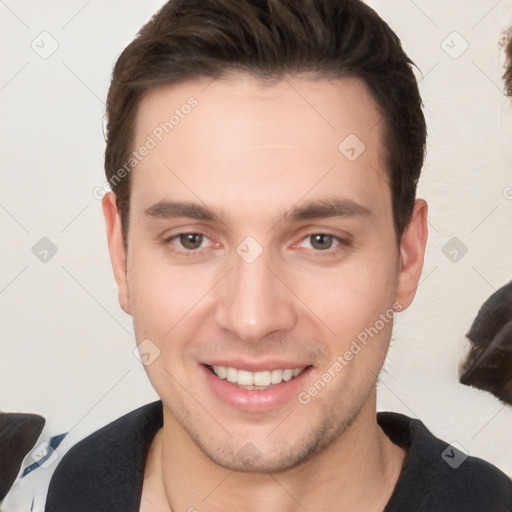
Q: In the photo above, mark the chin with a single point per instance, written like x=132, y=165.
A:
x=249, y=459
x=282, y=455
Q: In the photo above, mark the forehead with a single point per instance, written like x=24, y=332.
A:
x=262, y=140
x=324, y=108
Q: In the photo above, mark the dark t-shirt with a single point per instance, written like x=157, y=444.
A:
x=104, y=472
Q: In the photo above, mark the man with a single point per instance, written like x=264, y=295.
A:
x=263, y=231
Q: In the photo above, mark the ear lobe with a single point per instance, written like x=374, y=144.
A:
x=116, y=248
x=412, y=252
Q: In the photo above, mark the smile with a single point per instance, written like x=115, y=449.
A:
x=255, y=380
x=267, y=387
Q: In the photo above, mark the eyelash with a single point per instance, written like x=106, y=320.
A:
x=342, y=243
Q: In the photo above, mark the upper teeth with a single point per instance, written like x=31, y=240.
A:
x=260, y=379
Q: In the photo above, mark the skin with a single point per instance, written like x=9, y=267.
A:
x=252, y=152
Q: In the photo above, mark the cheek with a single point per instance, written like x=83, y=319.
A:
x=161, y=295
x=166, y=305
x=350, y=298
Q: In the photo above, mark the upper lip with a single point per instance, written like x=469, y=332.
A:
x=257, y=366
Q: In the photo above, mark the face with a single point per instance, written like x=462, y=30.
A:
x=257, y=244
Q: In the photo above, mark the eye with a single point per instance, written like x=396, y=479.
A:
x=321, y=241
x=189, y=244
x=323, y=244
x=190, y=241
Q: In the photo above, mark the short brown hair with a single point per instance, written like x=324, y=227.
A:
x=189, y=39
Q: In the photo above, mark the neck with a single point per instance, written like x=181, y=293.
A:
x=356, y=472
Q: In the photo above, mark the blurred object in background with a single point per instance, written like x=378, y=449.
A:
x=506, y=44
x=488, y=364
x=18, y=434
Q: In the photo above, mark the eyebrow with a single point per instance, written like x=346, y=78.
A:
x=319, y=209
x=335, y=207
x=172, y=209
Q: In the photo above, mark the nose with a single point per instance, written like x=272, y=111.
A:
x=254, y=302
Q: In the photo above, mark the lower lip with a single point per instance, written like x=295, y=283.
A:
x=254, y=400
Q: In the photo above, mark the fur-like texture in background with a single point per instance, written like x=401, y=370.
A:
x=488, y=365
x=507, y=77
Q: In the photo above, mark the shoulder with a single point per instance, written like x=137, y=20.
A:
x=104, y=471
x=437, y=476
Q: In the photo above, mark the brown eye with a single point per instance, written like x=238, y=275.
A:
x=191, y=241
x=321, y=242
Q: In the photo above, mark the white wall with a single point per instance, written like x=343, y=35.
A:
x=66, y=344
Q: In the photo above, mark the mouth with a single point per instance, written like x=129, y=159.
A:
x=260, y=380
x=269, y=388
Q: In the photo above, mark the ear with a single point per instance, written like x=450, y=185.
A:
x=412, y=252
x=116, y=248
